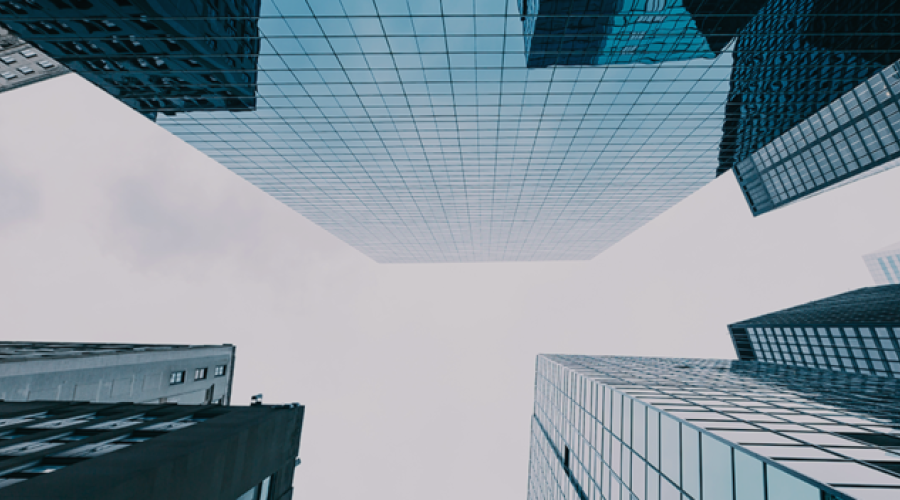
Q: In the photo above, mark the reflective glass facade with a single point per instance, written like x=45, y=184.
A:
x=415, y=132
x=854, y=332
x=884, y=265
x=846, y=140
x=573, y=32
x=443, y=131
x=649, y=428
x=165, y=56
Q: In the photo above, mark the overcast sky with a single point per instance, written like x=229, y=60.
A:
x=417, y=379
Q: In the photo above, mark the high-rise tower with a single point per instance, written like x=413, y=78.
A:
x=82, y=451
x=687, y=429
x=855, y=332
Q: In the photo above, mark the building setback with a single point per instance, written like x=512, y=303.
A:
x=103, y=373
x=854, y=332
x=686, y=429
x=884, y=265
x=74, y=451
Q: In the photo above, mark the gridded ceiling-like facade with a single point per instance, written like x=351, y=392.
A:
x=416, y=131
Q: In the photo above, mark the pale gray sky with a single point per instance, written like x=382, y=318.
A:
x=417, y=378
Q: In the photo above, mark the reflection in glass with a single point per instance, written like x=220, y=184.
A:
x=748, y=477
x=670, y=449
x=690, y=461
x=782, y=486
x=166, y=56
x=717, y=474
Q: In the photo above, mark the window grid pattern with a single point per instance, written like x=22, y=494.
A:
x=416, y=132
x=870, y=351
x=884, y=265
x=82, y=435
x=856, y=332
x=710, y=429
x=855, y=133
x=571, y=33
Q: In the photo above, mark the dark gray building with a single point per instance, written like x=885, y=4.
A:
x=53, y=450
x=103, y=373
x=22, y=63
x=855, y=332
x=168, y=56
x=608, y=427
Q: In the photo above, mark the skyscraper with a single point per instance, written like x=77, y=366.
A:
x=574, y=32
x=72, y=451
x=166, y=56
x=802, y=116
x=415, y=132
x=854, y=332
x=432, y=132
x=660, y=429
x=140, y=373
x=884, y=265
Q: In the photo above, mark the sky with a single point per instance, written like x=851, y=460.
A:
x=417, y=378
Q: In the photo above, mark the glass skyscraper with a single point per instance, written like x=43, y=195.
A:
x=884, y=265
x=442, y=131
x=165, y=56
x=855, y=332
x=569, y=32
x=617, y=428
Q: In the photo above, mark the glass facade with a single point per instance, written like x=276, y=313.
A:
x=649, y=428
x=570, y=32
x=847, y=139
x=884, y=265
x=165, y=56
x=854, y=332
x=441, y=131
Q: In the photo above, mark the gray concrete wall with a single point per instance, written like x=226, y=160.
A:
x=140, y=377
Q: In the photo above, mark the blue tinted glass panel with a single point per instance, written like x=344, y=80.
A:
x=782, y=486
x=717, y=477
x=670, y=451
x=748, y=477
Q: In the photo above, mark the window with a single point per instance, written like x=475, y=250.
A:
x=28, y=53
x=25, y=70
x=200, y=374
x=46, y=64
x=8, y=59
x=220, y=370
x=176, y=378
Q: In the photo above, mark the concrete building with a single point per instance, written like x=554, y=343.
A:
x=22, y=63
x=104, y=373
x=884, y=265
x=89, y=451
